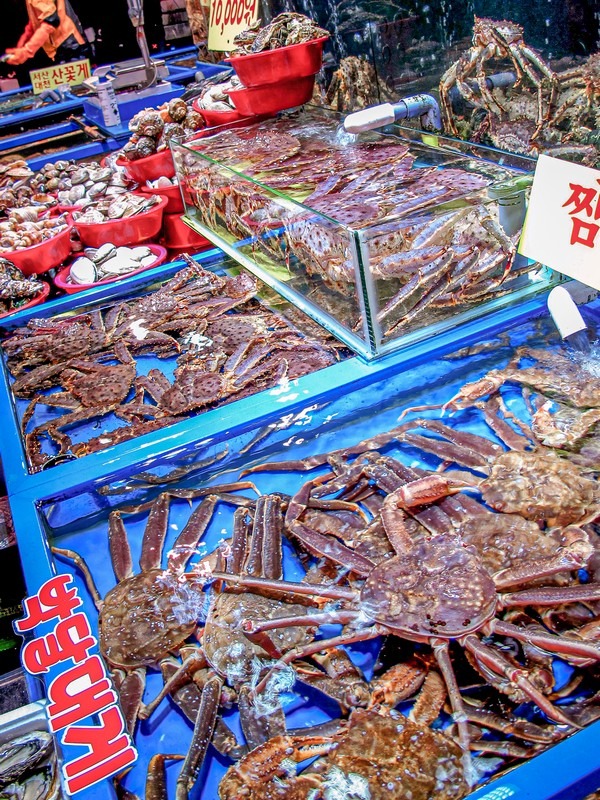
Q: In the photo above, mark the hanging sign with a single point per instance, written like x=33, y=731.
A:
x=227, y=19
x=71, y=73
x=80, y=690
x=562, y=227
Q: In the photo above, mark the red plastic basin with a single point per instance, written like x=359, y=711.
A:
x=127, y=231
x=44, y=256
x=281, y=64
x=35, y=301
x=213, y=118
x=149, y=168
x=173, y=193
x=61, y=281
x=177, y=235
x=273, y=97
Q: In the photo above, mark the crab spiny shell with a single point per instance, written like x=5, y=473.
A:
x=440, y=588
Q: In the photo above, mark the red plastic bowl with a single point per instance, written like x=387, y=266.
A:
x=283, y=63
x=61, y=281
x=35, y=301
x=149, y=168
x=177, y=235
x=173, y=193
x=273, y=97
x=44, y=256
x=213, y=118
x=126, y=231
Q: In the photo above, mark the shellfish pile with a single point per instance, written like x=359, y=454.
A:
x=107, y=208
x=286, y=29
x=79, y=184
x=15, y=287
x=26, y=227
x=153, y=128
x=28, y=767
x=108, y=261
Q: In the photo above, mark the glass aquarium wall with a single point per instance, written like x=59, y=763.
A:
x=545, y=51
x=381, y=239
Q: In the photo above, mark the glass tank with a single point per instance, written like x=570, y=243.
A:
x=165, y=539
x=381, y=239
x=522, y=77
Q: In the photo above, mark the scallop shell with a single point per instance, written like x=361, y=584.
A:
x=83, y=270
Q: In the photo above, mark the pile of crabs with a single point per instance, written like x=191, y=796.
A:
x=431, y=235
x=473, y=556
x=540, y=110
x=218, y=341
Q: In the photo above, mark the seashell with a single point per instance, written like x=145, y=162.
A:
x=160, y=183
x=79, y=176
x=96, y=189
x=76, y=193
x=22, y=754
x=147, y=261
x=119, y=265
x=90, y=252
x=138, y=253
x=104, y=252
x=117, y=209
x=26, y=214
x=83, y=270
x=90, y=216
x=100, y=175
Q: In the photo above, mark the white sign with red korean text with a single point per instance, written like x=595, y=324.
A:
x=81, y=690
x=562, y=227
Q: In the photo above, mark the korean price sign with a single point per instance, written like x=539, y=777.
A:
x=72, y=73
x=562, y=227
x=82, y=709
x=227, y=19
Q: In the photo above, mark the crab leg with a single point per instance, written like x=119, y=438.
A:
x=555, y=644
x=257, y=726
x=130, y=687
x=203, y=733
x=421, y=280
x=186, y=543
x=500, y=666
x=79, y=562
x=441, y=652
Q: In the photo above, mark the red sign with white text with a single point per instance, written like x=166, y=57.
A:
x=81, y=690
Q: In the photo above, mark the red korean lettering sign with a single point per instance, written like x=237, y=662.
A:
x=52, y=77
x=82, y=703
x=227, y=19
x=562, y=227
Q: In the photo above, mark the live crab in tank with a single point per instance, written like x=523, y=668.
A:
x=220, y=342
x=465, y=599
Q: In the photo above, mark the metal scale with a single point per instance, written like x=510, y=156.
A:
x=138, y=82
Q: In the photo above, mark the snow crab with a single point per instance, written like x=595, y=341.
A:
x=376, y=755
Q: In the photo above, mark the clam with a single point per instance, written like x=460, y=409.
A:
x=147, y=261
x=79, y=176
x=120, y=264
x=140, y=252
x=104, y=253
x=83, y=270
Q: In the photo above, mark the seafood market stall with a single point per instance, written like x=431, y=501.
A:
x=21, y=109
x=342, y=477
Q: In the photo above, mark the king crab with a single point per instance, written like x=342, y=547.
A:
x=496, y=40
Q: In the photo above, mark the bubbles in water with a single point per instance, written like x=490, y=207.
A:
x=340, y=785
x=187, y=603
x=280, y=680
